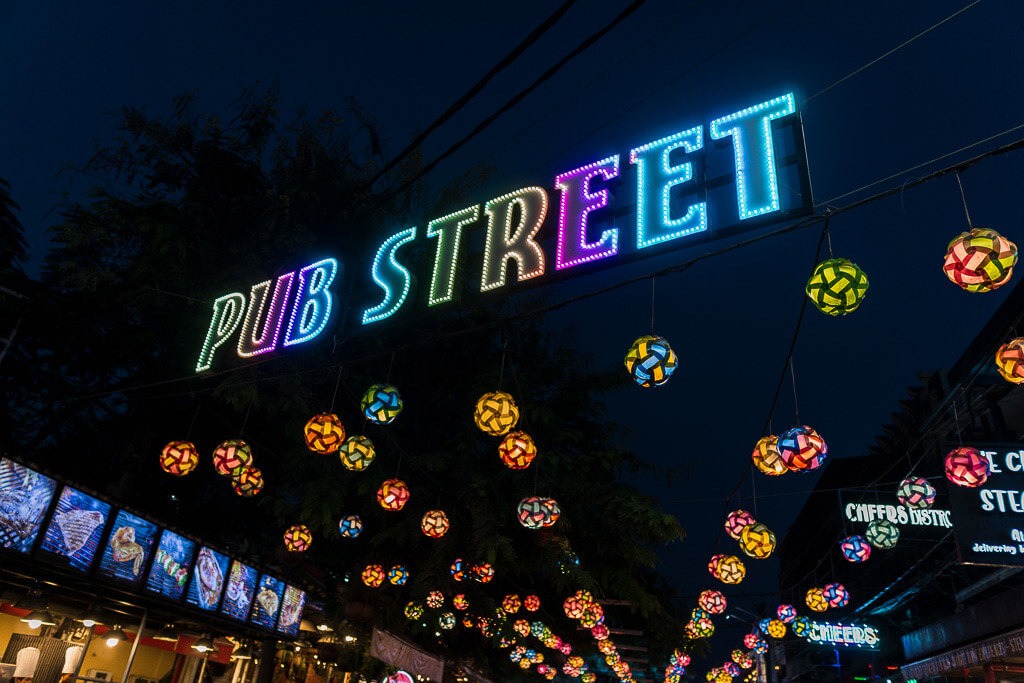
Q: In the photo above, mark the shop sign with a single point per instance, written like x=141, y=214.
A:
x=990, y=519
x=848, y=635
x=899, y=515
x=708, y=179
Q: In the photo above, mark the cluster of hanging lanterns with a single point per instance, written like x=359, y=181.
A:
x=373, y=576
x=800, y=449
x=232, y=458
x=832, y=595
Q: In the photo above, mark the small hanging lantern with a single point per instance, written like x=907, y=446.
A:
x=698, y=613
x=522, y=627
x=457, y=570
x=517, y=450
x=469, y=622
x=356, y=453
x=350, y=526
x=742, y=659
x=373, y=575
x=496, y=413
x=967, y=467
x=446, y=621
x=324, y=433
x=535, y=512
x=248, y=482
x=736, y=521
x=393, y=494
x=767, y=458
x=531, y=603
x=731, y=570
x=381, y=404
x=731, y=668
x=511, y=603
x=836, y=594
x=600, y=632
x=750, y=640
x=650, y=361
x=757, y=541
x=882, y=534
x=593, y=614
x=801, y=626
x=413, y=611
x=981, y=260
x=855, y=548
x=573, y=607
x=916, y=493
x=482, y=572
x=786, y=613
x=538, y=629
x=435, y=599
x=802, y=449
x=231, y=456
x=298, y=538
x=776, y=629
x=398, y=575
x=837, y=286
x=713, y=564
x=435, y=523
x=815, y=599
x=680, y=658
x=460, y=602
x=1010, y=361
x=179, y=458
x=713, y=602
x=704, y=628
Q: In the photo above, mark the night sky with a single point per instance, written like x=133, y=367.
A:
x=70, y=66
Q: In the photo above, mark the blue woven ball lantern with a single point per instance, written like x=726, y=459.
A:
x=855, y=548
x=381, y=404
x=650, y=361
x=350, y=526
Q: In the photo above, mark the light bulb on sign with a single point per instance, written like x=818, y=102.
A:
x=34, y=623
x=112, y=642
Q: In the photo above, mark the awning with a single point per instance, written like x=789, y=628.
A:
x=984, y=651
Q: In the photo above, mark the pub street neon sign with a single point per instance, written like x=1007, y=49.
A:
x=296, y=307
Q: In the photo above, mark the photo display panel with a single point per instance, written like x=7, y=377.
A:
x=265, y=607
x=25, y=496
x=75, y=529
x=207, y=579
x=170, y=571
x=240, y=591
x=128, y=547
x=291, y=611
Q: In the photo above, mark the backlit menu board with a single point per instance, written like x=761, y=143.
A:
x=267, y=604
x=74, y=532
x=128, y=547
x=291, y=611
x=240, y=591
x=207, y=579
x=169, y=573
x=24, y=497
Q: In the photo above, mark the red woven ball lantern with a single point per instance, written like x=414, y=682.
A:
x=712, y=601
x=482, y=572
x=713, y=564
x=517, y=450
x=231, y=456
x=786, y=613
x=435, y=600
x=179, y=458
x=750, y=640
x=766, y=457
x=298, y=538
x=600, y=632
x=736, y=521
x=393, y=494
x=815, y=600
x=981, y=260
x=1010, y=361
x=531, y=603
x=435, y=523
x=967, y=467
x=373, y=575
x=802, y=449
x=757, y=541
x=324, y=433
x=248, y=482
x=731, y=570
x=511, y=603
x=460, y=602
x=535, y=512
x=496, y=413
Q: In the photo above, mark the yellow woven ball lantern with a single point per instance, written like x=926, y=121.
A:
x=413, y=611
x=837, y=286
x=757, y=541
x=815, y=599
x=731, y=570
x=356, y=453
x=324, y=433
x=736, y=521
x=231, y=456
x=179, y=458
x=511, y=603
x=776, y=629
x=1010, y=361
x=373, y=575
x=460, y=602
x=248, y=482
x=517, y=450
x=435, y=523
x=981, y=260
x=298, y=538
x=393, y=494
x=496, y=413
x=767, y=458
x=650, y=361
x=381, y=404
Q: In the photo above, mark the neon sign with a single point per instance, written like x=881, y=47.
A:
x=680, y=191
x=849, y=635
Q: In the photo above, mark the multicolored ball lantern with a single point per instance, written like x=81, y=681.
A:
x=482, y=572
x=593, y=614
x=179, y=458
x=741, y=658
x=231, y=456
x=736, y=521
x=757, y=541
x=698, y=613
x=713, y=602
x=837, y=286
x=356, y=453
x=573, y=607
x=763, y=625
x=680, y=658
x=517, y=450
x=882, y=534
x=776, y=629
x=713, y=564
x=435, y=600
x=496, y=413
x=248, y=482
x=398, y=575
x=855, y=548
x=413, y=611
x=435, y=523
x=460, y=602
x=766, y=457
x=967, y=467
x=836, y=594
x=981, y=260
x=600, y=632
x=535, y=512
x=393, y=494
x=816, y=600
x=324, y=433
x=801, y=626
x=916, y=493
x=350, y=526
x=731, y=668
x=298, y=538
x=761, y=646
x=531, y=603
x=1010, y=361
x=446, y=621
x=373, y=575
x=786, y=613
x=381, y=404
x=802, y=449
x=712, y=675
x=750, y=640
x=458, y=570
x=650, y=361
x=731, y=570
x=704, y=628
x=511, y=603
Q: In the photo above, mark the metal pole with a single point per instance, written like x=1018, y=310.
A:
x=202, y=669
x=85, y=648
x=135, y=647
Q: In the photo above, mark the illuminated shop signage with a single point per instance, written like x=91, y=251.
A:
x=898, y=514
x=848, y=635
x=696, y=182
x=990, y=519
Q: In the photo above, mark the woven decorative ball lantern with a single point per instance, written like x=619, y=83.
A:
x=435, y=600
x=248, y=482
x=231, y=456
x=837, y=286
x=179, y=458
x=704, y=628
x=882, y=534
x=698, y=613
x=713, y=602
x=298, y=538
x=458, y=570
x=757, y=541
x=593, y=614
x=763, y=625
x=356, y=453
x=511, y=603
x=855, y=548
x=574, y=607
x=350, y=526
x=522, y=627
x=435, y=523
x=413, y=611
x=393, y=494
x=713, y=564
x=1010, y=361
x=565, y=648
x=916, y=493
x=535, y=512
x=815, y=600
x=531, y=603
x=600, y=632
x=486, y=626
x=612, y=659
x=468, y=621
x=741, y=657
x=460, y=602
x=786, y=613
x=690, y=630
x=680, y=658
x=967, y=467
x=766, y=457
x=324, y=433
x=373, y=575
x=381, y=404
x=731, y=668
x=398, y=575
x=650, y=361
x=776, y=629
x=802, y=449
x=446, y=621
x=712, y=675
x=736, y=521
x=496, y=413
x=524, y=664
x=482, y=572
x=538, y=629
x=750, y=640
x=981, y=260
x=731, y=570
x=800, y=626
x=836, y=594
x=517, y=450
x=761, y=646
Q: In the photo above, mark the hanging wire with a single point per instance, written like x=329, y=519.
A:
x=245, y=420
x=792, y=376
x=501, y=373
x=337, y=383
x=963, y=197
x=188, y=434
x=753, y=494
x=956, y=422
x=391, y=364
x=828, y=236
x=652, y=305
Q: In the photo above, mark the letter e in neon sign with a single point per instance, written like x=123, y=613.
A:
x=576, y=205
x=507, y=241
x=655, y=178
x=392, y=276
x=227, y=314
x=312, y=307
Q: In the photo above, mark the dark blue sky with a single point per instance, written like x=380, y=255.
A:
x=69, y=67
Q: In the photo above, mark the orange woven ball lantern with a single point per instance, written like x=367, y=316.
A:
x=179, y=458
x=815, y=599
x=522, y=627
x=231, y=456
x=460, y=602
x=981, y=260
x=767, y=458
x=248, y=482
x=511, y=603
x=593, y=614
x=574, y=607
x=531, y=603
x=393, y=494
x=1010, y=361
x=373, y=575
x=324, y=433
x=517, y=450
x=496, y=413
x=776, y=629
x=435, y=523
x=435, y=599
x=482, y=573
x=298, y=538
